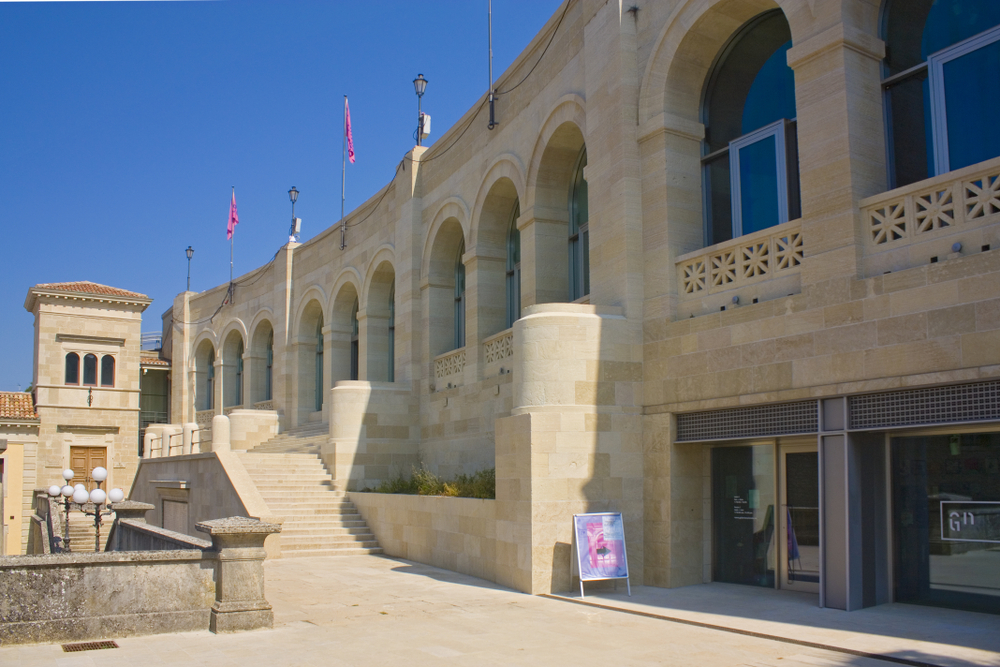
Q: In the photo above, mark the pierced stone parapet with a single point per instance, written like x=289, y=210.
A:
x=449, y=364
x=263, y=405
x=769, y=253
x=499, y=346
x=204, y=418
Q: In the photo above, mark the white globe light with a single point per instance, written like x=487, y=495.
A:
x=80, y=486
x=97, y=496
x=54, y=490
x=68, y=474
x=99, y=474
x=67, y=490
x=116, y=495
x=80, y=496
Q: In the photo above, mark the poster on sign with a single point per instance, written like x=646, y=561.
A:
x=600, y=547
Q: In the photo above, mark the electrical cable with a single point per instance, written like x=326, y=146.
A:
x=551, y=39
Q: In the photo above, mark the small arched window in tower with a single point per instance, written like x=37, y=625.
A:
x=72, y=368
x=392, y=332
x=942, y=105
x=513, y=267
x=460, y=298
x=269, y=368
x=107, y=371
x=319, y=366
x=579, y=232
x=750, y=163
x=90, y=370
x=239, y=374
x=355, y=341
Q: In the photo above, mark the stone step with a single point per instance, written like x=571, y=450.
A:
x=320, y=531
x=347, y=551
x=295, y=545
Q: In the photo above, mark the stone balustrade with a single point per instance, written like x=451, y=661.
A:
x=498, y=347
x=264, y=405
x=921, y=222
x=203, y=418
x=227, y=410
x=448, y=367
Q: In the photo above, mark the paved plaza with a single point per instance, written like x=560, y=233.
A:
x=372, y=610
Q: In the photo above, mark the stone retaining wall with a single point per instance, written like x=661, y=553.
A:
x=457, y=534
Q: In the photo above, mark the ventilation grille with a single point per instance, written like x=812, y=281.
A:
x=758, y=421
x=937, y=405
x=88, y=646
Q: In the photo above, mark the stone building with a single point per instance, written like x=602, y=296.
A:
x=729, y=267
x=85, y=409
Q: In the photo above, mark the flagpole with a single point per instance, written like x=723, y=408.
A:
x=231, y=240
x=343, y=178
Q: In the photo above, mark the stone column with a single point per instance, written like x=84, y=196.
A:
x=239, y=575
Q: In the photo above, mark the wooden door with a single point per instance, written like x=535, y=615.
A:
x=83, y=460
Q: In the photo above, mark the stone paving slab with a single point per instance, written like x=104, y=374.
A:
x=373, y=610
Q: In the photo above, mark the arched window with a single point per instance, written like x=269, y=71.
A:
x=579, y=233
x=239, y=374
x=942, y=85
x=514, y=267
x=210, y=382
x=355, y=341
x=319, y=366
x=750, y=163
x=107, y=371
x=90, y=370
x=72, y=368
x=269, y=372
x=392, y=333
x=460, y=298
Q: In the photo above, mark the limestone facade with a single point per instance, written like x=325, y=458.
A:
x=862, y=289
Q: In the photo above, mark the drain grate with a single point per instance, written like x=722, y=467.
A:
x=88, y=646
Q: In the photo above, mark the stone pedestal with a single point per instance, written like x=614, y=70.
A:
x=239, y=580
x=220, y=433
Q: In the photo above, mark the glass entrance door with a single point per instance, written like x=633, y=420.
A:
x=743, y=515
x=798, y=519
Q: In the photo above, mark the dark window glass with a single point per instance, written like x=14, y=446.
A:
x=107, y=371
x=239, y=374
x=579, y=233
x=759, y=185
x=460, y=298
x=514, y=267
x=355, y=349
x=90, y=369
x=269, y=376
x=972, y=96
x=72, y=368
x=392, y=333
x=319, y=366
x=946, y=505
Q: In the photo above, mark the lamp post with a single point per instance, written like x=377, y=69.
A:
x=293, y=196
x=190, y=253
x=79, y=495
x=420, y=85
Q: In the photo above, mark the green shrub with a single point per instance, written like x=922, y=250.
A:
x=481, y=484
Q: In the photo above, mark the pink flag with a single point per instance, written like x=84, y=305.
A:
x=233, y=218
x=347, y=131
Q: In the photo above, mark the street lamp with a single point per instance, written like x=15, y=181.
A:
x=293, y=196
x=79, y=495
x=420, y=85
x=190, y=253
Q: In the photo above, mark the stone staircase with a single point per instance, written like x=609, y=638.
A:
x=319, y=520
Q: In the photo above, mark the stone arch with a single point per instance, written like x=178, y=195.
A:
x=204, y=371
x=503, y=167
x=310, y=343
x=345, y=344
x=546, y=246
x=312, y=293
x=233, y=349
x=454, y=208
x=438, y=284
x=374, y=359
x=261, y=360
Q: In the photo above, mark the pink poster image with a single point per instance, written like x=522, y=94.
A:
x=601, y=546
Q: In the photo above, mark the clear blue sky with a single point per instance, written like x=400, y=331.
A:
x=123, y=126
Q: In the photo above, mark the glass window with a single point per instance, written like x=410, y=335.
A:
x=319, y=366
x=72, y=368
x=946, y=506
x=942, y=71
x=209, y=403
x=269, y=372
x=90, y=369
x=392, y=332
x=460, y=298
x=355, y=344
x=751, y=158
x=107, y=371
x=239, y=374
x=743, y=519
x=579, y=233
x=514, y=267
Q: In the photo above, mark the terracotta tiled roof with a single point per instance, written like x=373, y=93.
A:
x=154, y=361
x=87, y=287
x=16, y=405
